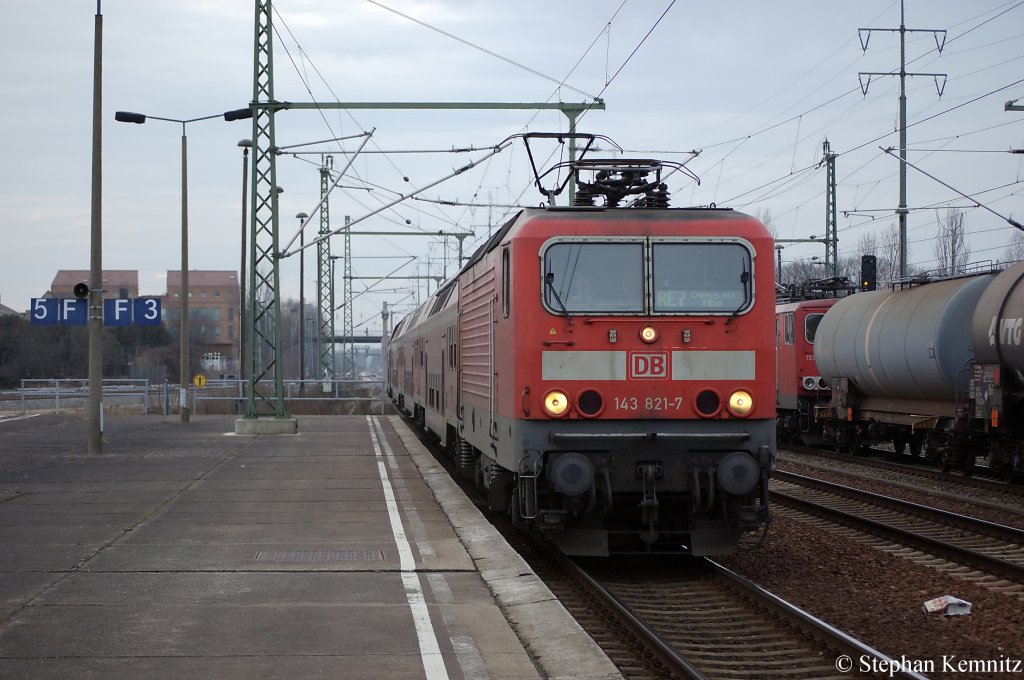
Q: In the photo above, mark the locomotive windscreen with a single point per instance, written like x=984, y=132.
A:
x=687, y=277
x=701, y=277
x=595, y=277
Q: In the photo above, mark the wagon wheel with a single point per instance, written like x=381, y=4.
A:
x=513, y=508
x=854, y=444
x=916, y=445
x=899, y=445
x=839, y=444
x=967, y=463
x=478, y=475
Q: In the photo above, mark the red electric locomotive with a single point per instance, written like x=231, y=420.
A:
x=605, y=373
x=799, y=386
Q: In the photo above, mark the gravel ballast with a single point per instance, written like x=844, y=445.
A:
x=878, y=598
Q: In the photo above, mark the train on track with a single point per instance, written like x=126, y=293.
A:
x=935, y=366
x=800, y=389
x=601, y=371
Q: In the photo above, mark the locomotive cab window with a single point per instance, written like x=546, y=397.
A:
x=811, y=326
x=589, y=277
x=702, y=278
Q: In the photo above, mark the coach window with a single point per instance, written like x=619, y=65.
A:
x=592, y=278
x=506, y=288
x=790, y=332
x=701, y=278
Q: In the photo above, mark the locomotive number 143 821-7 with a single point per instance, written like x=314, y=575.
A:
x=648, y=403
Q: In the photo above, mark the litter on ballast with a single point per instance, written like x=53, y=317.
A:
x=948, y=605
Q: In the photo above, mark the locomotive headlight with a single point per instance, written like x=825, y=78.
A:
x=740, y=403
x=648, y=334
x=556, y=403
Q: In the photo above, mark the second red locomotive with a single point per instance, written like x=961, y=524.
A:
x=800, y=387
x=604, y=372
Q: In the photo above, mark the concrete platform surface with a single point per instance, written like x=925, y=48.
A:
x=190, y=551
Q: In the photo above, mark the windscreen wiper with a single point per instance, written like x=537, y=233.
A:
x=744, y=279
x=549, y=281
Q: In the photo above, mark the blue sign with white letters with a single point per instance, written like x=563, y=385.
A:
x=64, y=311
x=72, y=312
x=147, y=312
x=117, y=312
x=44, y=311
x=75, y=312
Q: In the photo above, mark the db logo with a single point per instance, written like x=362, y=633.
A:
x=647, y=365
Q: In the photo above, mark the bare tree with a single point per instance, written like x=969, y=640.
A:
x=868, y=245
x=889, y=262
x=764, y=215
x=951, y=248
x=1015, y=251
x=798, y=272
x=849, y=266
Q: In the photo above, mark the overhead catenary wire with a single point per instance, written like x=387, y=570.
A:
x=1008, y=220
x=496, y=150
x=305, y=80
x=773, y=126
x=535, y=72
x=773, y=191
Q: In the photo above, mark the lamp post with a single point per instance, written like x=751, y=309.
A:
x=245, y=145
x=96, y=246
x=302, y=217
x=139, y=119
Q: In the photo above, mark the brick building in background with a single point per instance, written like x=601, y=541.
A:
x=213, y=308
x=117, y=283
x=213, y=316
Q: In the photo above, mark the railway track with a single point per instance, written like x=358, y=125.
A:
x=993, y=554
x=704, y=621
x=683, y=617
x=980, y=491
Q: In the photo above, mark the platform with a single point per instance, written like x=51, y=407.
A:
x=187, y=551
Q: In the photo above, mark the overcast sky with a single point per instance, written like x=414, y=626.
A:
x=755, y=86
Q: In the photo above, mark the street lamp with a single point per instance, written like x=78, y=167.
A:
x=302, y=217
x=139, y=119
x=245, y=145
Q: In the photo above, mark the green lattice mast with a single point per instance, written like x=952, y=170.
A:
x=325, y=281
x=266, y=382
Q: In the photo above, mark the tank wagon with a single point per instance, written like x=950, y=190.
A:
x=937, y=367
x=602, y=372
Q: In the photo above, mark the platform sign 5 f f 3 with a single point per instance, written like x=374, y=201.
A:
x=75, y=312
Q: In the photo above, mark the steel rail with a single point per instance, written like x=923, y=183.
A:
x=989, y=563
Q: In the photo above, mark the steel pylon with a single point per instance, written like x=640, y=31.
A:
x=266, y=382
x=325, y=281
